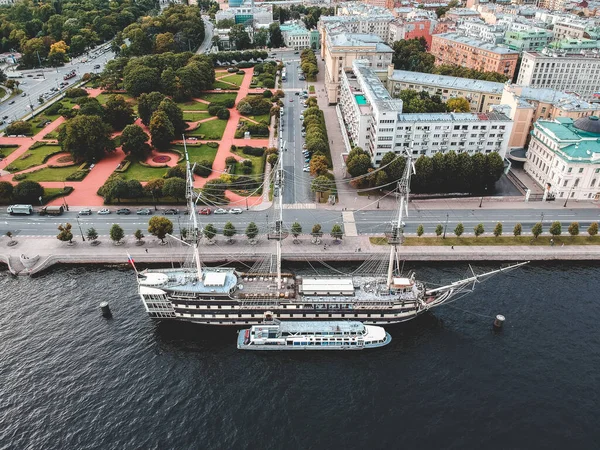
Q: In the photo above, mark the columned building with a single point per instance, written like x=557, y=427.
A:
x=564, y=157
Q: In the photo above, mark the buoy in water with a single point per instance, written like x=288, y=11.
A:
x=499, y=322
x=105, y=309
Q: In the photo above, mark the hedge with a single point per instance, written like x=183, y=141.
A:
x=78, y=176
x=253, y=151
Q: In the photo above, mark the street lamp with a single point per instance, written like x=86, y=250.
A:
x=80, y=230
x=567, y=199
x=445, y=225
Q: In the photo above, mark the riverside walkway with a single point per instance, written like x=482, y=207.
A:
x=33, y=255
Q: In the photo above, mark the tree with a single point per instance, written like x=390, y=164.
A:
x=58, y=53
x=275, y=35
x=537, y=230
x=88, y=106
x=336, y=232
x=498, y=229
x=164, y=42
x=459, y=230
x=154, y=187
x=358, y=165
x=421, y=230
x=28, y=191
x=92, y=235
x=175, y=115
x=251, y=230
x=593, y=229
x=86, y=138
x=517, y=230
x=555, y=228
x=439, y=229
x=140, y=79
x=478, y=230
x=65, y=233
x=161, y=130
x=168, y=81
x=229, y=231
x=176, y=171
x=116, y=233
x=135, y=189
x=209, y=232
x=6, y=190
x=411, y=54
x=134, y=141
x=261, y=37
x=118, y=112
x=319, y=165
x=147, y=104
x=321, y=184
x=296, y=230
x=225, y=23
x=239, y=38
x=160, y=226
x=574, y=229
x=139, y=235
x=458, y=104
x=174, y=187
x=18, y=128
x=272, y=159
x=316, y=230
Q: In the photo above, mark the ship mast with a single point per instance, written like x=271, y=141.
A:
x=398, y=228
x=191, y=204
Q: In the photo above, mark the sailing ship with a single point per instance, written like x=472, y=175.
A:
x=227, y=296
x=336, y=335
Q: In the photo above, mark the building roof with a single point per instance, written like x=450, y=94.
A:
x=453, y=117
x=565, y=101
x=475, y=43
x=590, y=124
x=446, y=81
x=575, y=143
x=360, y=40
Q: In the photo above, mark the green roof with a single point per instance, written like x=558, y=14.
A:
x=584, y=143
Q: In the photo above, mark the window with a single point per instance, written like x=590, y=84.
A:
x=581, y=170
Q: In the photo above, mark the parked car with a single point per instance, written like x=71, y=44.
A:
x=206, y=211
x=171, y=211
x=125, y=211
x=296, y=93
x=296, y=53
x=304, y=134
x=306, y=169
x=24, y=94
x=235, y=211
x=85, y=212
x=4, y=117
x=144, y=212
x=220, y=211
x=104, y=211
x=12, y=102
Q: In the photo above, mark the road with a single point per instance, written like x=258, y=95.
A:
x=297, y=182
x=37, y=82
x=208, y=35
x=367, y=222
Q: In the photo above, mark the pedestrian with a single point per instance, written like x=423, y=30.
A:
x=563, y=244
x=453, y=247
x=551, y=242
x=146, y=250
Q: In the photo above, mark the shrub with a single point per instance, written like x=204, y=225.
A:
x=213, y=144
x=76, y=92
x=20, y=176
x=78, y=176
x=176, y=171
x=213, y=109
x=267, y=94
x=223, y=114
x=54, y=108
x=19, y=127
x=253, y=151
x=230, y=161
x=203, y=168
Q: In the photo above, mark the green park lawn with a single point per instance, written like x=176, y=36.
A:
x=235, y=79
x=258, y=165
x=51, y=193
x=6, y=151
x=195, y=116
x=214, y=97
x=136, y=171
x=266, y=118
x=33, y=157
x=53, y=134
x=198, y=152
x=193, y=106
x=219, y=84
x=103, y=98
x=213, y=129
x=52, y=174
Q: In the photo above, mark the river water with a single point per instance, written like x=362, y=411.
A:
x=72, y=379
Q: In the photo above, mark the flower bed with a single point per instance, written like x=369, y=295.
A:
x=161, y=159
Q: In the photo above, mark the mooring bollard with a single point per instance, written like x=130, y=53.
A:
x=499, y=322
x=105, y=309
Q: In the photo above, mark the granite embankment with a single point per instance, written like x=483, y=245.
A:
x=33, y=255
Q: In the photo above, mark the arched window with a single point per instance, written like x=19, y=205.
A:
x=593, y=183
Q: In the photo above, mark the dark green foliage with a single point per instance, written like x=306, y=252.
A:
x=203, y=168
x=421, y=102
x=147, y=104
x=87, y=138
x=28, y=192
x=253, y=151
x=176, y=171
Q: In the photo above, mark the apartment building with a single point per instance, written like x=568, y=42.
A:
x=575, y=45
x=526, y=105
x=260, y=15
x=480, y=94
x=377, y=24
x=340, y=50
x=462, y=14
x=411, y=29
x=576, y=29
x=375, y=122
x=521, y=41
x=564, y=157
x=569, y=72
x=478, y=29
x=452, y=48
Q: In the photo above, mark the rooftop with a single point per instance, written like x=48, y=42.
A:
x=320, y=327
x=360, y=40
x=475, y=43
x=447, y=81
x=453, y=117
x=575, y=142
x=558, y=98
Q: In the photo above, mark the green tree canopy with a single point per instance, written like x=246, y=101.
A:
x=134, y=141
x=175, y=115
x=537, y=230
x=251, y=230
x=517, y=230
x=160, y=226
x=161, y=130
x=336, y=232
x=574, y=229
x=86, y=138
x=555, y=228
x=459, y=230
x=147, y=104
x=498, y=229
x=229, y=230
x=116, y=233
x=174, y=187
x=65, y=233
x=28, y=192
x=118, y=112
x=209, y=231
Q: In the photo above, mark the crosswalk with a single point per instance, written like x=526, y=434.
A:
x=300, y=206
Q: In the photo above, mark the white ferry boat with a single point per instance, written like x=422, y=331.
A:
x=334, y=335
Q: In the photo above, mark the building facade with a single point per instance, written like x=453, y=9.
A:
x=375, y=122
x=575, y=73
x=451, y=48
x=339, y=51
x=564, y=157
x=297, y=36
x=480, y=94
x=524, y=41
